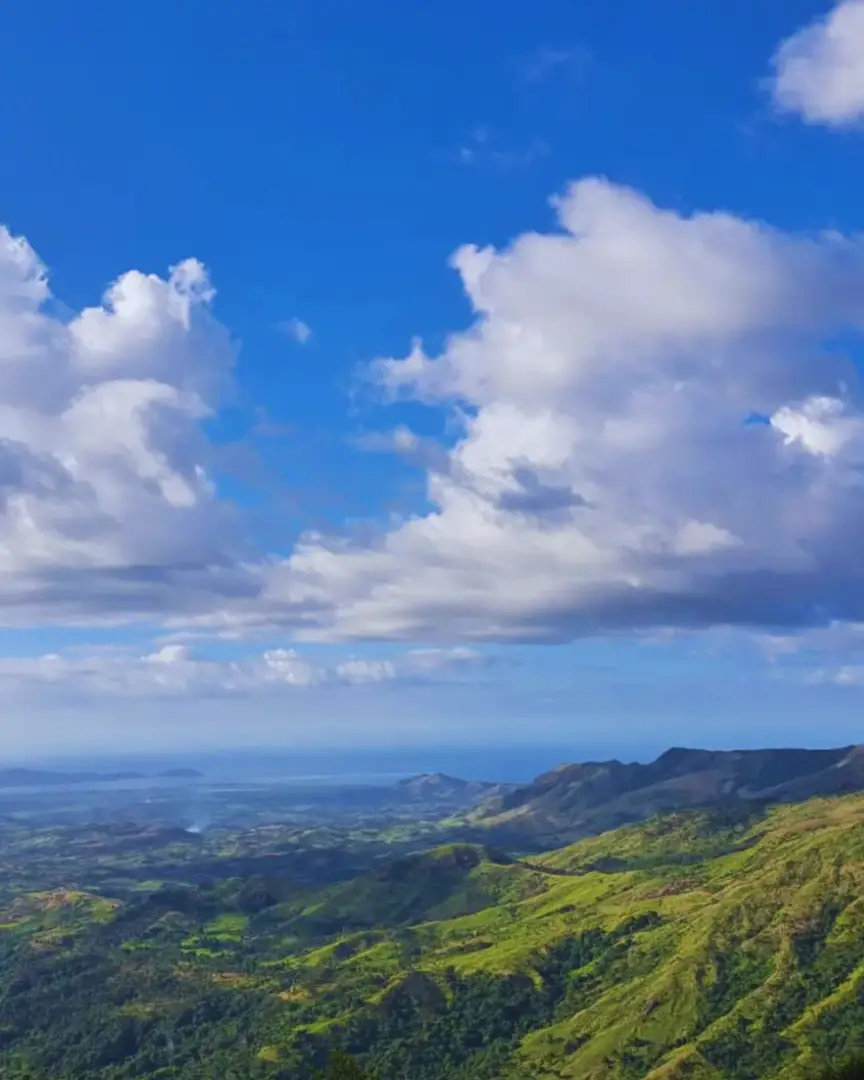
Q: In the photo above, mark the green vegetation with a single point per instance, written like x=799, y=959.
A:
x=711, y=944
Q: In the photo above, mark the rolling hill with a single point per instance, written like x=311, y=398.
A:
x=721, y=943
x=708, y=946
x=454, y=879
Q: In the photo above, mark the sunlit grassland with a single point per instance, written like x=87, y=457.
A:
x=704, y=945
x=759, y=935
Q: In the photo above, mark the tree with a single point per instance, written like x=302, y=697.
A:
x=341, y=1066
x=850, y=1068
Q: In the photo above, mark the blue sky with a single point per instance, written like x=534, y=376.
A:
x=229, y=501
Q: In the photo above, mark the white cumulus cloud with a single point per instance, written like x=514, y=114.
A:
x=106, y=505
x=654, y=432
x=650, y=425
x=819, y=71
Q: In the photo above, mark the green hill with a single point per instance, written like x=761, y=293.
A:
x=745, y=958
x=720, y=943
x=455, y=879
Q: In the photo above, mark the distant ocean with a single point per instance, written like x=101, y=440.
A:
x=510, y=764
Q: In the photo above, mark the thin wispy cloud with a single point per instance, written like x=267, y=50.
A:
x=548, y=62
x=296, y=330
x=482, y=149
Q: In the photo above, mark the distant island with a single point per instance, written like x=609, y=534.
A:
x=23, y=777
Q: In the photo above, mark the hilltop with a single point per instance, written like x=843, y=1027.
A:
x=438, y=785
x=584, y=799
x=454, y=879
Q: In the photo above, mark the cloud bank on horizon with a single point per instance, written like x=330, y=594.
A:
x=173, y=670
x=659, y=425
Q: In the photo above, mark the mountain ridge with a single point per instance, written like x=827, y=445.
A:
x=587, y=798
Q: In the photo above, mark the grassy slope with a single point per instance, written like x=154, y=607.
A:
x=450, y=880
x=757, y=958
x=749, y=956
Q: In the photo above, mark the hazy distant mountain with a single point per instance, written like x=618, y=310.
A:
x=440, y=786
x=42, y=778
x=580, y=800
x=22, y=777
